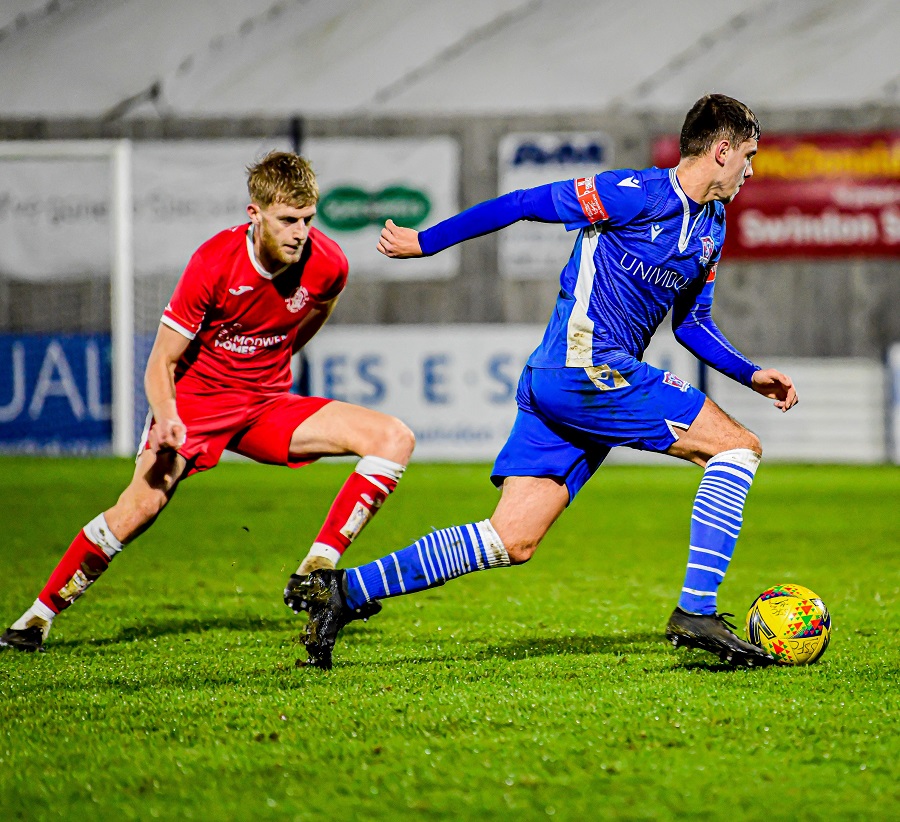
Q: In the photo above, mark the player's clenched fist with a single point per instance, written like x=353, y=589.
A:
x=397, y=241
x=167, y=433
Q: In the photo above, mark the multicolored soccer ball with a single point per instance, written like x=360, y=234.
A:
x=791, y=623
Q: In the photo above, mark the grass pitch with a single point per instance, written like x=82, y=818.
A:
x=170, y=690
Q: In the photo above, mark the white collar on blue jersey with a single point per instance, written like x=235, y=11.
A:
x=687, y=227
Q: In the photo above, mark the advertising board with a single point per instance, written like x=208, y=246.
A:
x=534, y=250
x=55, y=393
x=814, y=195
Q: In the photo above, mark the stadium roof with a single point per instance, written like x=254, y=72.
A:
x=125, y=58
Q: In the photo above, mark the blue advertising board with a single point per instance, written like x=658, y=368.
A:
x=55, y=393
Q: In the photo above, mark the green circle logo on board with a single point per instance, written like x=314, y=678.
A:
x=348, y=208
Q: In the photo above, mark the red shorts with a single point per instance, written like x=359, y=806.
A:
x=254, y=426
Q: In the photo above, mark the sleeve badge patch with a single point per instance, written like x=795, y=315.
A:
x=589, y=200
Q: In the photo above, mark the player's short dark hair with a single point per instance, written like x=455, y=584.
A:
x=716, y=117
x=282, y=177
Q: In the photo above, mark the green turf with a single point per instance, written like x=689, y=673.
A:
x=170, y=690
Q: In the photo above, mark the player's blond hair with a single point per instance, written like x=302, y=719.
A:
x=282, y=177
x=716, y=117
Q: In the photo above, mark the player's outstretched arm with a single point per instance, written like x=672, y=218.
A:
x=397, y=241
x=484, y=218
x=159, y=383
x=776, y=386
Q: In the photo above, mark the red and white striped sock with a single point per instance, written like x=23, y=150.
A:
x=85, y=559
x=364, y=492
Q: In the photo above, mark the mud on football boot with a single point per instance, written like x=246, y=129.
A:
x=313, y=562
x=713, y=633
x=28, y=639
x=295, y=598
x=322, y=595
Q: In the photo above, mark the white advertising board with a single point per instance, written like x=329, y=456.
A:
x=54, y=214
x=525, y=160
x=840, y=416
x=363, y=181
x=454, y=385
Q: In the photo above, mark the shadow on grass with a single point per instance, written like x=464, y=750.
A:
x=182, y=627
x=618, y=645
x=711, y=667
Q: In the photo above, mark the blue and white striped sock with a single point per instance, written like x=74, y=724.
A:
x=431, y=561
x=715, y=525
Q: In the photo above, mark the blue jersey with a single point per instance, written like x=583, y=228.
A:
x=643, y=248
x=642, y=244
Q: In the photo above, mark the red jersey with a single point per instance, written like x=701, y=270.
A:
x=241, y=319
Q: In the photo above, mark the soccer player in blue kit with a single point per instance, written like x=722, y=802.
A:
x=648, y=242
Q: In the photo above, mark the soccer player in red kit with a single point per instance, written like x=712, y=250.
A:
x=218, y=378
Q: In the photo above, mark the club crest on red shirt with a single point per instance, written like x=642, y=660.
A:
x=297, y=300
x=227, y=331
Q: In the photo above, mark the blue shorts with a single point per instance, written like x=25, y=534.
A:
x=570, y=418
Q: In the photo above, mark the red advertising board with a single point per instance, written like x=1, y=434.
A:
x=814, y=195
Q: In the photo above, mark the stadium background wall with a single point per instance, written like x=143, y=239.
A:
x=808, y=308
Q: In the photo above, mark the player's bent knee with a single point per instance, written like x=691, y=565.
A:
x=757, y=446
x=739, y=437
x=398, y=442
x=750, y=441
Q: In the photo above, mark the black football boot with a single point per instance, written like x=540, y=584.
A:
x=713, y=633
x=28, y=639
x=322, y=594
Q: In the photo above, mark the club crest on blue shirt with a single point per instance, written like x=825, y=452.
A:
x=709, y=249
x=675, y=381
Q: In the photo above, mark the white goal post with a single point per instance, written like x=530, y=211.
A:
x=119, y=155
